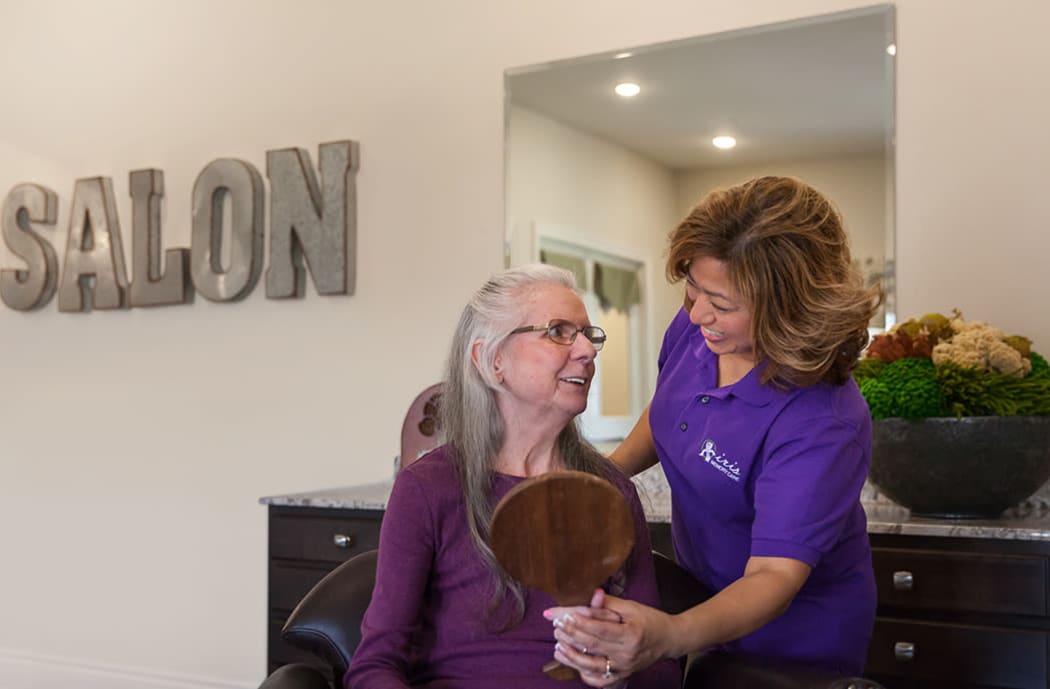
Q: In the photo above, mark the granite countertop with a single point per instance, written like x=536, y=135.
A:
x=1027, y=522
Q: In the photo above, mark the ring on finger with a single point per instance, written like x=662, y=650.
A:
x=608, y=669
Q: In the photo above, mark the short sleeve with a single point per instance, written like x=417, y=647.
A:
x=809, y=484
x=678, y=327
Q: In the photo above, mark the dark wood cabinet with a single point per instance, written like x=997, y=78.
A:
x=959, y=613
x=963, y=613
x=306, y=543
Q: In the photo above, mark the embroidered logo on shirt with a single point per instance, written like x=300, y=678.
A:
x=709, y=451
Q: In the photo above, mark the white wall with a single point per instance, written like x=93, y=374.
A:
x=135, y=444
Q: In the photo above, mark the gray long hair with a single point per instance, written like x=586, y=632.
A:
x=471, y=419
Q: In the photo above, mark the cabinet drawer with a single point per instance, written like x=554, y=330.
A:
x=331, y=539
x=959, y=581
x=289, y=582
x=965, y=654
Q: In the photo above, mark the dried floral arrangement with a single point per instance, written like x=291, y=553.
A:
x=946, y=366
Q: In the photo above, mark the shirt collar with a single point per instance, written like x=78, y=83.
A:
x=749, y=388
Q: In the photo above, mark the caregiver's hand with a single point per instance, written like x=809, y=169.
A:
x=612, y=639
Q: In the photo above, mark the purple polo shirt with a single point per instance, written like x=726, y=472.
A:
x=756, y=470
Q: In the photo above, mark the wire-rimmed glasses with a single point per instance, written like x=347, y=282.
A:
x=565, y=332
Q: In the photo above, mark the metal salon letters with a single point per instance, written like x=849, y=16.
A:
x=312, y=217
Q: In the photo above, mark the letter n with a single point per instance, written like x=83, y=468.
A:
x=312, y=221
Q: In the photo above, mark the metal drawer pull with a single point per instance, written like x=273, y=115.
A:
x=342, y=540
x=903, y=581
x=904, y=650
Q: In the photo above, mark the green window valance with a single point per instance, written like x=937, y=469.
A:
x=616, y=288
x=573, y=264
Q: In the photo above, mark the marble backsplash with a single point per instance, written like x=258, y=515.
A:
x=1028, y=521
x=1038, y=500
x=653, y=485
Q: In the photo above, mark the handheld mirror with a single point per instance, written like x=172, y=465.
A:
x=563, y=533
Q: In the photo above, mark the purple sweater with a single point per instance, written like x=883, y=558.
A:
x=429, y=623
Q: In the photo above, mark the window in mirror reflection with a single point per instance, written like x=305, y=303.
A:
x=611, y=287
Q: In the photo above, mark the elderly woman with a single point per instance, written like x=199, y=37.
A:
x=443, y=614
x=764, y=438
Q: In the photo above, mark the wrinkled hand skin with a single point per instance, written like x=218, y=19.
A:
x=632, y=636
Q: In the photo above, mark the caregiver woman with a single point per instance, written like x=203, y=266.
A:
x=765, y=441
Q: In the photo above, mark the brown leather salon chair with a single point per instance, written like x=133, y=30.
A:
x=327, y=623
x=421, y=429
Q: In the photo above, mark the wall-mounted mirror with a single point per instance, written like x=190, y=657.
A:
x=597, y=173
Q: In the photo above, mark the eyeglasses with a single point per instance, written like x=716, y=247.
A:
x=564, y=332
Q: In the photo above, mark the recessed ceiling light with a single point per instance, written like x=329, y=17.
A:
x=620, y=56
x=891, y=49
x=723, y=142
x=628, y=90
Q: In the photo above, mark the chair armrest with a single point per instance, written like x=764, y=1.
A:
x=327, y=621
x=295, y=676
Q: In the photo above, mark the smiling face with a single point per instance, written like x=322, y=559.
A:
x=716, y=306
x=546, y=382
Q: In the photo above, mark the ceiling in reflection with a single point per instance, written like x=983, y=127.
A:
x=828, y=83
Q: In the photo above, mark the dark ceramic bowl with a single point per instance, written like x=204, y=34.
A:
x=969, y=467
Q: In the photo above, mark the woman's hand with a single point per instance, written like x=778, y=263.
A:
x=612, y=639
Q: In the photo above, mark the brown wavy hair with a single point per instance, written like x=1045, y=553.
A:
x=788, y=256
